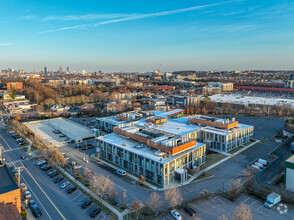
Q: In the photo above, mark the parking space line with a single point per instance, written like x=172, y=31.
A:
x=87, y=208
x=259, y=207
x=99, y=215
x=81, y=199
x=253, y=203
x=77, y=196
x=246, y=199
x=105, y=217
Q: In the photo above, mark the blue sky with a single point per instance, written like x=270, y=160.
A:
x=129, y=35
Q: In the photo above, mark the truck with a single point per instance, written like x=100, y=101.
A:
x=272, y=200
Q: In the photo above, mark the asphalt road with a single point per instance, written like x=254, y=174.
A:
x=55, y=203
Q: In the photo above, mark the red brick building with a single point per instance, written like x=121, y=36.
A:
x=15, y=85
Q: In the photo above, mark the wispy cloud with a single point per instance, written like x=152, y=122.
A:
x=86, y=17
x=142, y=16
x=6, y=44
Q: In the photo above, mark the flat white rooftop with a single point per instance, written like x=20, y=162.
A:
x=240, y=127
x=136, y=147
x=241, y=99
x=171, y=126
x=44, y=129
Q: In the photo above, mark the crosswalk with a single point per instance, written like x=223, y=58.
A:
x=16, y=161
x=12, y=149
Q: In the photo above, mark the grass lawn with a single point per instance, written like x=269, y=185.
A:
x=203, y=176
x=211, y=159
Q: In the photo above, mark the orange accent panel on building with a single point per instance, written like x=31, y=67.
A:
x=214, y=124
x=170, y=150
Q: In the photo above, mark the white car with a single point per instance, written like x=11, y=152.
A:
x=176, y=215
x=77, y=167
x=63, y=185
x=28, y=195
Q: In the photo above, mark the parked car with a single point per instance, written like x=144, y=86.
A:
x=176, y=215
x=77, y=167
x=36, y=211
x=86, y=204
x=44, y=165
x=63, y=185
x=27, y=195
x=45, y=168
x=58, y=179
x=190, y=211
x=62, y=136
x=54, y=174
x=95, y=212
x=121, y=172
x=52, y=171
x=71, y=189
x=22, y=143
x=32, y=203
x=41, y=162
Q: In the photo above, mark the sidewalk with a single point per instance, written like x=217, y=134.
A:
x=128, y=174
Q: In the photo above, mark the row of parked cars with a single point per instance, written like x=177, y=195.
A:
x=61, y=135
x=18, y=138
x=44, y=166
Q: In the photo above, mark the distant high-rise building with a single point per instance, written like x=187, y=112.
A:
x=67, y=69
x=60, y=69
x=45, y=70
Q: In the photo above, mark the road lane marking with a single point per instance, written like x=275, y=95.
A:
x=43, y=191
x=5, y=142
x=35, y=196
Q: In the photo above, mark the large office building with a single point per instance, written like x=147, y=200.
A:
x=164, y=150
x=156, y=147
x=183, y=101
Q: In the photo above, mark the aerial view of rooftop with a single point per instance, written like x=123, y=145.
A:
x=147, y=110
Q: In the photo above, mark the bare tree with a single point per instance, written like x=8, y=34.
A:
x=155, y=201
x=58, y=157
x=173, y=195
x=136, y=207
x=242, y=212
x=123, y=196
x=102, y=185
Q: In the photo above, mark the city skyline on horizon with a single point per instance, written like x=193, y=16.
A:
x=138, y=37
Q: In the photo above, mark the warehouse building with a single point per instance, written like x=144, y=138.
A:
x=43, y=130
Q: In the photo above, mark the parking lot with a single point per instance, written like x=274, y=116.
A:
x=76, y=197
x=211, y=209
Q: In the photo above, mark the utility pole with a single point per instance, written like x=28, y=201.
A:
x=18, y=173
